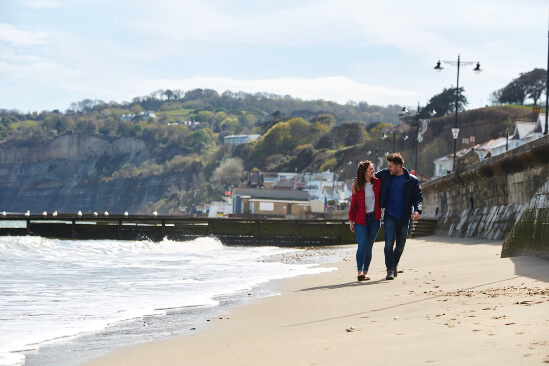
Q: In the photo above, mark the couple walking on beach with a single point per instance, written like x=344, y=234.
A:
x=393, y=189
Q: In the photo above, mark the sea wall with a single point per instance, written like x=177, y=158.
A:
x=504, y=198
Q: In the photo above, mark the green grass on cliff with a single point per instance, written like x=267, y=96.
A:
x=176, y=114
x=24, y=124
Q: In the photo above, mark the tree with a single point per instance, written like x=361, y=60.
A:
x=513, y=93
x=325, y=119
x=495, y=97
x=535, y=83
x=530, y=84
x=203, y=135
x=229, y=172
x=445, y=103
x=169, y=94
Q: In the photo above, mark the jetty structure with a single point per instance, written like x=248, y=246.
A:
x=233, y=231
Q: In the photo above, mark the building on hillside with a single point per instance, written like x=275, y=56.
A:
x=127, y=117
x=444, y=165
x=319, y=186
x=254, y=180
x=273, y=179
x=522, y=129
x=316, y=184
x=146, y=115
x=142, y=115
x=338, y=192
x=523, y=133
x=536, y=132
x=493, y=147
x=240, y=139
x=270, y=202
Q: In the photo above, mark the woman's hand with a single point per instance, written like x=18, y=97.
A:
x=352, y=226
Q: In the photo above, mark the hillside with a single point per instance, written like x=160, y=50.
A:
x=105, y=156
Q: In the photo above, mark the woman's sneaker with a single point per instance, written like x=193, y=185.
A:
x=390, y=275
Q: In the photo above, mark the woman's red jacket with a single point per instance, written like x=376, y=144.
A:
x=357, y=210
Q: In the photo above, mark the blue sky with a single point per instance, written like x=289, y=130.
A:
x=55, y=52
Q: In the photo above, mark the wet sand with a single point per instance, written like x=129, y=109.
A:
x=456, y=303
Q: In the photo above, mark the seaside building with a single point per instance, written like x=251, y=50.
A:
x=317, y=189
x=270, y=202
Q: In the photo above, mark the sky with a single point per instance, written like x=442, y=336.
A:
x=56, y=52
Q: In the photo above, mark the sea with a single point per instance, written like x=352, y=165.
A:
x=63, y=302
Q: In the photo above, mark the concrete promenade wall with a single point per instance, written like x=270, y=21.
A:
x=505, y=197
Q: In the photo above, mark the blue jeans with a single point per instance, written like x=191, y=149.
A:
x=396, y=229
x=365, y=236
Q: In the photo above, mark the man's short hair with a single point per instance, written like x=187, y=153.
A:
x=396, y=159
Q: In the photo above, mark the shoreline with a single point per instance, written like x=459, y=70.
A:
x=176, y=322
x=457, y=302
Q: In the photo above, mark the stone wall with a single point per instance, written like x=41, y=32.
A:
x=530, y=235
x=487, y=199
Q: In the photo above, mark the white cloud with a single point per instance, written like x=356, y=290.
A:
x=11, y=34
x=380, y=52
x=419, y=26
x=336, y=88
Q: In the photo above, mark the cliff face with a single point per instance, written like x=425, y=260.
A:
x=62, y=176
x=72, y=148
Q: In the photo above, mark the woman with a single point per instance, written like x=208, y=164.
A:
x=365, y=215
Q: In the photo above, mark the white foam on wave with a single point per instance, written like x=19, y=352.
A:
x=54, y=289
x=11, y=359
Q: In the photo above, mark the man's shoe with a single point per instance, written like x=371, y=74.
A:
x=395, y=272
x=390, y=275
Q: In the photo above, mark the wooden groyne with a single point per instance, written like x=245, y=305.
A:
x=276, y=232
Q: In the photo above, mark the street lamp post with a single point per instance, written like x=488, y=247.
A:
x=393, y=130
x=455, y=130
x=547, y=90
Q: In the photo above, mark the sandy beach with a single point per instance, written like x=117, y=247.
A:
x=456, y=303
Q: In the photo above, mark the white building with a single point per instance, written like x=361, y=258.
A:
x=146, y=115
x=220, y=208
x=325, y=186
x=524, y=132
x=495, y=147
x=127, y=117
x=445, y=164
x=320, y=186
x=240, y=139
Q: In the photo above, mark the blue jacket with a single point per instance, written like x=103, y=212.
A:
x=411, y=194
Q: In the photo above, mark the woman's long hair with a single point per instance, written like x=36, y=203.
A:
x=360, y=179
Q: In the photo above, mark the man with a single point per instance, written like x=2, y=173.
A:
x=400, y=191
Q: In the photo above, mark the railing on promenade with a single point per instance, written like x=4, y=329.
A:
x=232, y=231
